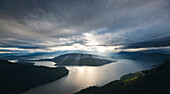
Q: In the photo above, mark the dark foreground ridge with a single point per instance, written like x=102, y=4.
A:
x=153, y=81
x=17, y=78
x=80, y=59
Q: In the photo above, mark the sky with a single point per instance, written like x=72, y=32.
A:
x=84, y=25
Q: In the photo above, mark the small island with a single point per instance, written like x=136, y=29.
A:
x=153, y=81
x=80, y=59
x=17, y=78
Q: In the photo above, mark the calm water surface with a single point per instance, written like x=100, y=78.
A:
x=81, y=77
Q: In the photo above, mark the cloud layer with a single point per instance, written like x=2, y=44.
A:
x=45, y=24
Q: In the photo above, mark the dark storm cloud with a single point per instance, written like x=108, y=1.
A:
x=12, y=51
x=23, y=47
x=15, y=43
x=36, y=24
x=160, y=42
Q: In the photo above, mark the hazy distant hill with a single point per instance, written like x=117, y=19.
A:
x=141, y=56
x=151, y=57
x=81, y=59
x=124, y=54
x=17, y=78
x=26, y=56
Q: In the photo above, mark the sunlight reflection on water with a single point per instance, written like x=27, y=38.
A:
x=80, y=77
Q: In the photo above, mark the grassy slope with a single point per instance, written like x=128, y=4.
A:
x=154, y=81
x=17, y=78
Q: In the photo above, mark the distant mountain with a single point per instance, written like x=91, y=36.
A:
x=124, y=54
x=34, y=56
x=142, y=56
x=81, y=59
x=163, y=51
x=151, y=57
x=17, y=56
x=27, y=56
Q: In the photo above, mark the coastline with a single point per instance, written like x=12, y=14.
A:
x=146, y=81
x=18, y=78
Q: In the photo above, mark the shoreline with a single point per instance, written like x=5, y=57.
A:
x=18, y=78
